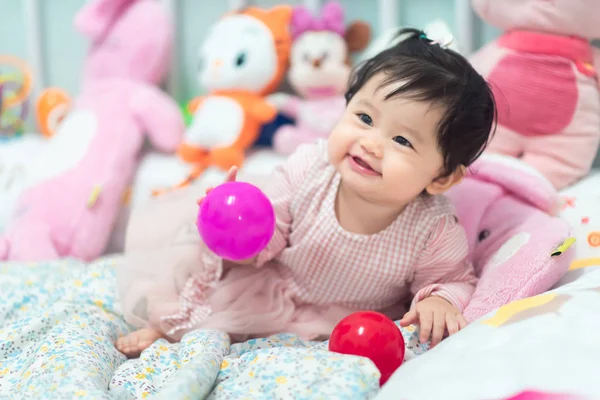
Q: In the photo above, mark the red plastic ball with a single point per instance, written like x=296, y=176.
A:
x=372, y=335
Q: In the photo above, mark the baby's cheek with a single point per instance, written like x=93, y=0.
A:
x=335, y=152
x=340, y=139
x=401, y=165
x=432, y=165
x=401, y=175
x=414, y=175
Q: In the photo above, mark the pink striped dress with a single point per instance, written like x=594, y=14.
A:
x=313, y=272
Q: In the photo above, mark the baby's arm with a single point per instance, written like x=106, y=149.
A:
x=283, y=187
x=443, y=269
x=443, y=283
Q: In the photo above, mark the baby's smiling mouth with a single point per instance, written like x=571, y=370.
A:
x=362, y=166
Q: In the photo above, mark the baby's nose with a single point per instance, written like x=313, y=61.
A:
x=371, y=146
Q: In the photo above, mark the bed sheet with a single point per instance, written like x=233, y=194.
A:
x=59, y=320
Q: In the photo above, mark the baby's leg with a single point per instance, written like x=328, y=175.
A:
x=133, y=344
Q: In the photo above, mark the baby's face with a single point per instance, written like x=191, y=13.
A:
x=386, y=150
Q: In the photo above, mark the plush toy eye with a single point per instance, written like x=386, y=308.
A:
x=240, y=59
x=483, y=235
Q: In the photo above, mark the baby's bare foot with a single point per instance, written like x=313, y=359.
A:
x=133, y=344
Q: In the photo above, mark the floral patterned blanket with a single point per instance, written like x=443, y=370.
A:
x=59, y=321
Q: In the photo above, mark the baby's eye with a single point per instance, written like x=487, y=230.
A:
x=402, y=141
x=365, y=119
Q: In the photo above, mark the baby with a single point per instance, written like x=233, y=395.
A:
x=361, y=220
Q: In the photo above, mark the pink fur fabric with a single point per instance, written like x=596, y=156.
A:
x=507, y=209
x=544, y=74
x=74, y=194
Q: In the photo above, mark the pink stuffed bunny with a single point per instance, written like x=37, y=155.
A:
x=75, y=189
x=514, y=242
x=319, y=72
x=543, y=71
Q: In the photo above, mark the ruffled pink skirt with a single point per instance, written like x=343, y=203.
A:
x=257, y=302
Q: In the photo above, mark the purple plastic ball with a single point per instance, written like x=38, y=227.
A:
x=236, y=220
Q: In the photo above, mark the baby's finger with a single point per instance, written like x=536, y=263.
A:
x=462, y=322
x=409, y=318
x=206, y=191
x=426, y=323
x=439, y=327
x=231, y=174
x=452, y=324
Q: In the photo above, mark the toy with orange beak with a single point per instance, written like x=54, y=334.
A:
x=51, y=107
x=245, y=56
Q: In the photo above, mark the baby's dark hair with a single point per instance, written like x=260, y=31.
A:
x=444, y=77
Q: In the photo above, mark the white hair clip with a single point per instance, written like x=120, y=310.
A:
x=444, y=42
x=439, y=33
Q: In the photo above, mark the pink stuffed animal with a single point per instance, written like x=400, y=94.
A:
x=514, y=242
x=543, y=71
x=75, y=189
x=319, y=71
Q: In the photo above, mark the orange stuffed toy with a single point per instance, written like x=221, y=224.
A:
x=246, y=56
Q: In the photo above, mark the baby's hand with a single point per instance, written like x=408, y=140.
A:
x=231, y=176
x=435, y=316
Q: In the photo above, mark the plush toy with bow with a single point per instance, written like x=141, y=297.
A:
x=543, y=71
x=319, y=71
x=74, y=188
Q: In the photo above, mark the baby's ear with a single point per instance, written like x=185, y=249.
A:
x=442, y=184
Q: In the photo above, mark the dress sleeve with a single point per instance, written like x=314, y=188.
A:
x=443, y=269
x=283, y=186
